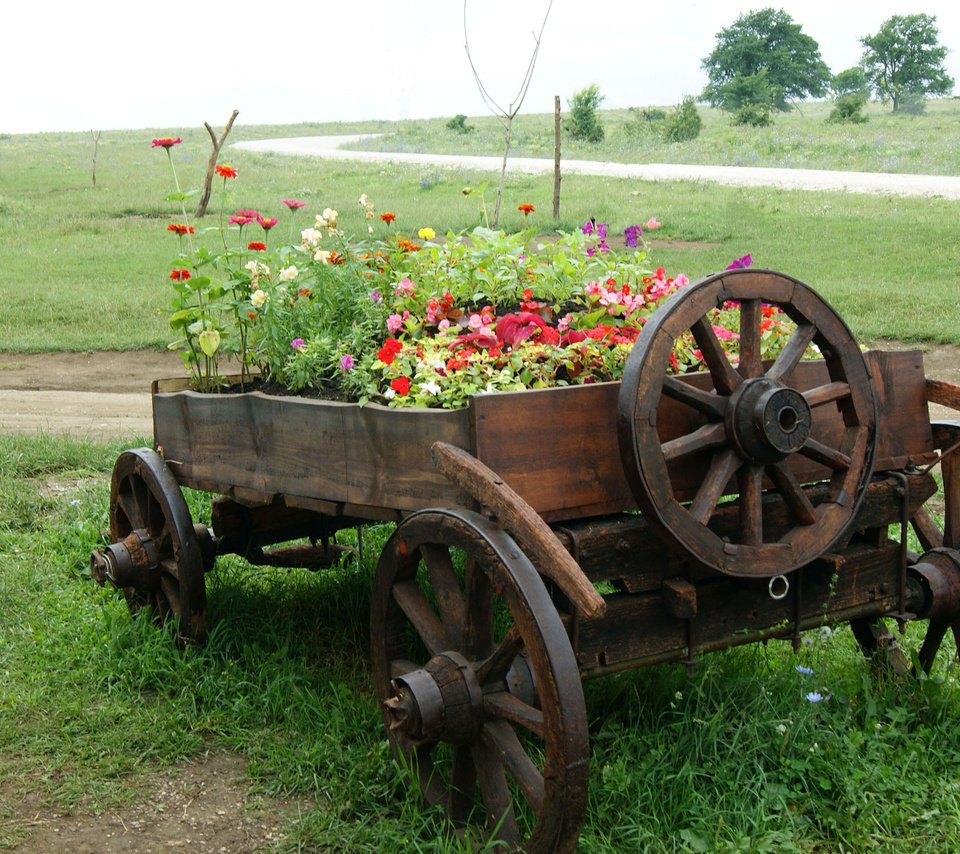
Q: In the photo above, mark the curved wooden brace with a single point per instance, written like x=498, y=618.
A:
x=946, y=394
x=523, y=522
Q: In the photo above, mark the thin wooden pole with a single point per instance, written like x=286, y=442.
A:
x=556, y=157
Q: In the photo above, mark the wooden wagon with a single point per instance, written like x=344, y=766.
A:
x=546, y=537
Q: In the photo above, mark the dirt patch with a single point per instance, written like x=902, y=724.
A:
x=202, y=807
x=117, y=372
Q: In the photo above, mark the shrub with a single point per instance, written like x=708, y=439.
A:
x=684, y=122
x=912, y=103
x=755, y=115
x=459, y=124
x=645, y=122
x=582, y=122
x=848, y=109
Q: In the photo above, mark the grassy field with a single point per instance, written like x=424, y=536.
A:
x=84, y=267
x=733, y=759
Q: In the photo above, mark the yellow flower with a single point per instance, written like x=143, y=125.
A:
x=426, y=233
x=258, y=298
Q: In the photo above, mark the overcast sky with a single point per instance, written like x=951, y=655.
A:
x=105, y=64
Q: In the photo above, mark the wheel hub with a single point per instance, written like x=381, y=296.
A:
x=768, y=421
x=128, y=563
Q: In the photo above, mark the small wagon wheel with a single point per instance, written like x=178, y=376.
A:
x=751, y=420
x=479, y=686
x=159, y=562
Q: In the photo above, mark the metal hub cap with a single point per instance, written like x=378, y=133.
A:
x=768, y=421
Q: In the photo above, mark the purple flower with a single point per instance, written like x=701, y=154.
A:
x=602, y=246
x=815, y=697
x=806, y=671
x=298, y=344
x=741, y=263
x=346, y=363
x=631, y=235
x=587, y=227
x=376, y=296
x=602, y=230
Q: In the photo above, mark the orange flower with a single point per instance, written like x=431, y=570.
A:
x=526, y=208
x=180, y=229
x=388, y=217
x=225, y=171
x=256, y=246
x=179, y=275
x=407, y=246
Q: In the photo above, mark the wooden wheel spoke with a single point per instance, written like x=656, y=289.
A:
x=722, y=468
x=707, y=436
x=415, y=605
x=826, y=394
x=463, y=782
x=725, y=378
x=751, y=364
x=793, y=352
x=131, y=510
x=792, y=493
x=478, y=620
x=446, y=589
x=505, y=706
x=926, y=529
x=751, y=505
x=503, y=739
x=497, y=665
x=497, y=801
x=825, y=455
x=709, y=404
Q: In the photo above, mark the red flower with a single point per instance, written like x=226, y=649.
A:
x=514, y=328
x=225, y=171
x=388, y=352
x=252, y=315
x=293, y=204
x=179, y=275
x=388, y=217
x=256, y=246
x=248, y=213
x=526, y=208
x=573, y=336
x=180, y=228
x=166, y=142
x=401, y=385
x=266, y=222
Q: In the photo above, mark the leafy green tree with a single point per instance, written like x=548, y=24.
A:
x=852, y=80
x=905, y=59
x=582, y=122
x=850, y=91
x=684, y=123
x=766, y=43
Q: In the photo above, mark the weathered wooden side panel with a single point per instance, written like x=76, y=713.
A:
x=557, y=448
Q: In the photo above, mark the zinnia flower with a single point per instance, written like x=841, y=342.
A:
x=249, y=212
x=401, y=385
x=166, y=142
x=426, y=233
x=526, y=208
x=388, y=217
x=293, y=204
x=225, y=171
x=266, y=223
x=256, y=246
x=180, y=229
x=240, y=220
x=179, y=275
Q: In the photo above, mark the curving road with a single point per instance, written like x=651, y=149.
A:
x=329, y=148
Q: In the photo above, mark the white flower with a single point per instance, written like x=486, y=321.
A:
x=430, y=387
x=288, y=274
x=362, y=201
x=310, y=237
x=329, y=217
x=390, y=394
x=258, y=298
x=322, y=256
x=781, y=728
x=252, y=267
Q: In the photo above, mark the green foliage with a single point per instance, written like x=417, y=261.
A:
x=904, y=58
x=849, y=108
x=767, y=43
x=458, y=124
x=849, y=81
x=582, y=123
x=684, y=123
x=754, y=115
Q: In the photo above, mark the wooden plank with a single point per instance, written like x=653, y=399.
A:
x=337, y=452
x=946, y=394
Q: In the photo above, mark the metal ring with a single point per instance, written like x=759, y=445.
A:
x=779, y=594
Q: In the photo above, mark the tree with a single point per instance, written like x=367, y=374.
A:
x=684, y=123
x=905, y=59
x=765, y=56
x=850, y=92
x=582, y=122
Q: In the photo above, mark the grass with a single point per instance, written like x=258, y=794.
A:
x=85, y=267
x=732, y=759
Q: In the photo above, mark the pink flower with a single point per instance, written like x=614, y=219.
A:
x=298, y=344
x=652, y=223
x=293, y=204
x=404, y=287
x=395, y=322
x=514, y=328
x=266, y=223
x=166, y=142
x=346, y=363
x=240, y=220
x=740, y=263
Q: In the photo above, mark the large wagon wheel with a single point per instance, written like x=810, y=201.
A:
x=479, y=686
x=751, y=421
x=156, y=556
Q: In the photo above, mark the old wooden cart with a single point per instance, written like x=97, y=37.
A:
x=768, y=494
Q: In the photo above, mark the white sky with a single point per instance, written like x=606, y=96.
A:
x=106, y=64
